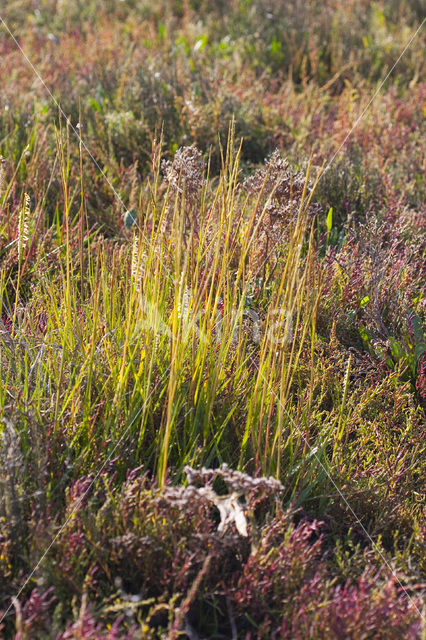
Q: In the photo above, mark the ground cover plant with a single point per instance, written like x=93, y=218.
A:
x=212, y=333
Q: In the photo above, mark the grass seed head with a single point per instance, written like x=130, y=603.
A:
x=23, y=226
x=185, y=174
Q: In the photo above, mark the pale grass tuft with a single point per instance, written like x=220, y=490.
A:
x=138, y=264
x=23, y=226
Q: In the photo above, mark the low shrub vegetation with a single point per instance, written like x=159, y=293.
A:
x=212, y=322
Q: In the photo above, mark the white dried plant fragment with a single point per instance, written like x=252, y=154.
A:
x=230, y=511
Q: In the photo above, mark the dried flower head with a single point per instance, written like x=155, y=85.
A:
x=279, y=183
x=185, y=174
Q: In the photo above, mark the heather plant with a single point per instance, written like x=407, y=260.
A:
x=384, y=293
x=153, y=571
x=12, y=488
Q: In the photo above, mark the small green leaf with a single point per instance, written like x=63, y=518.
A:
x=363, y=333
x=364, y=301
x=94, y=104
x=330, y=219
x=396, y=348
x=276, y=46
x=161, y=30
